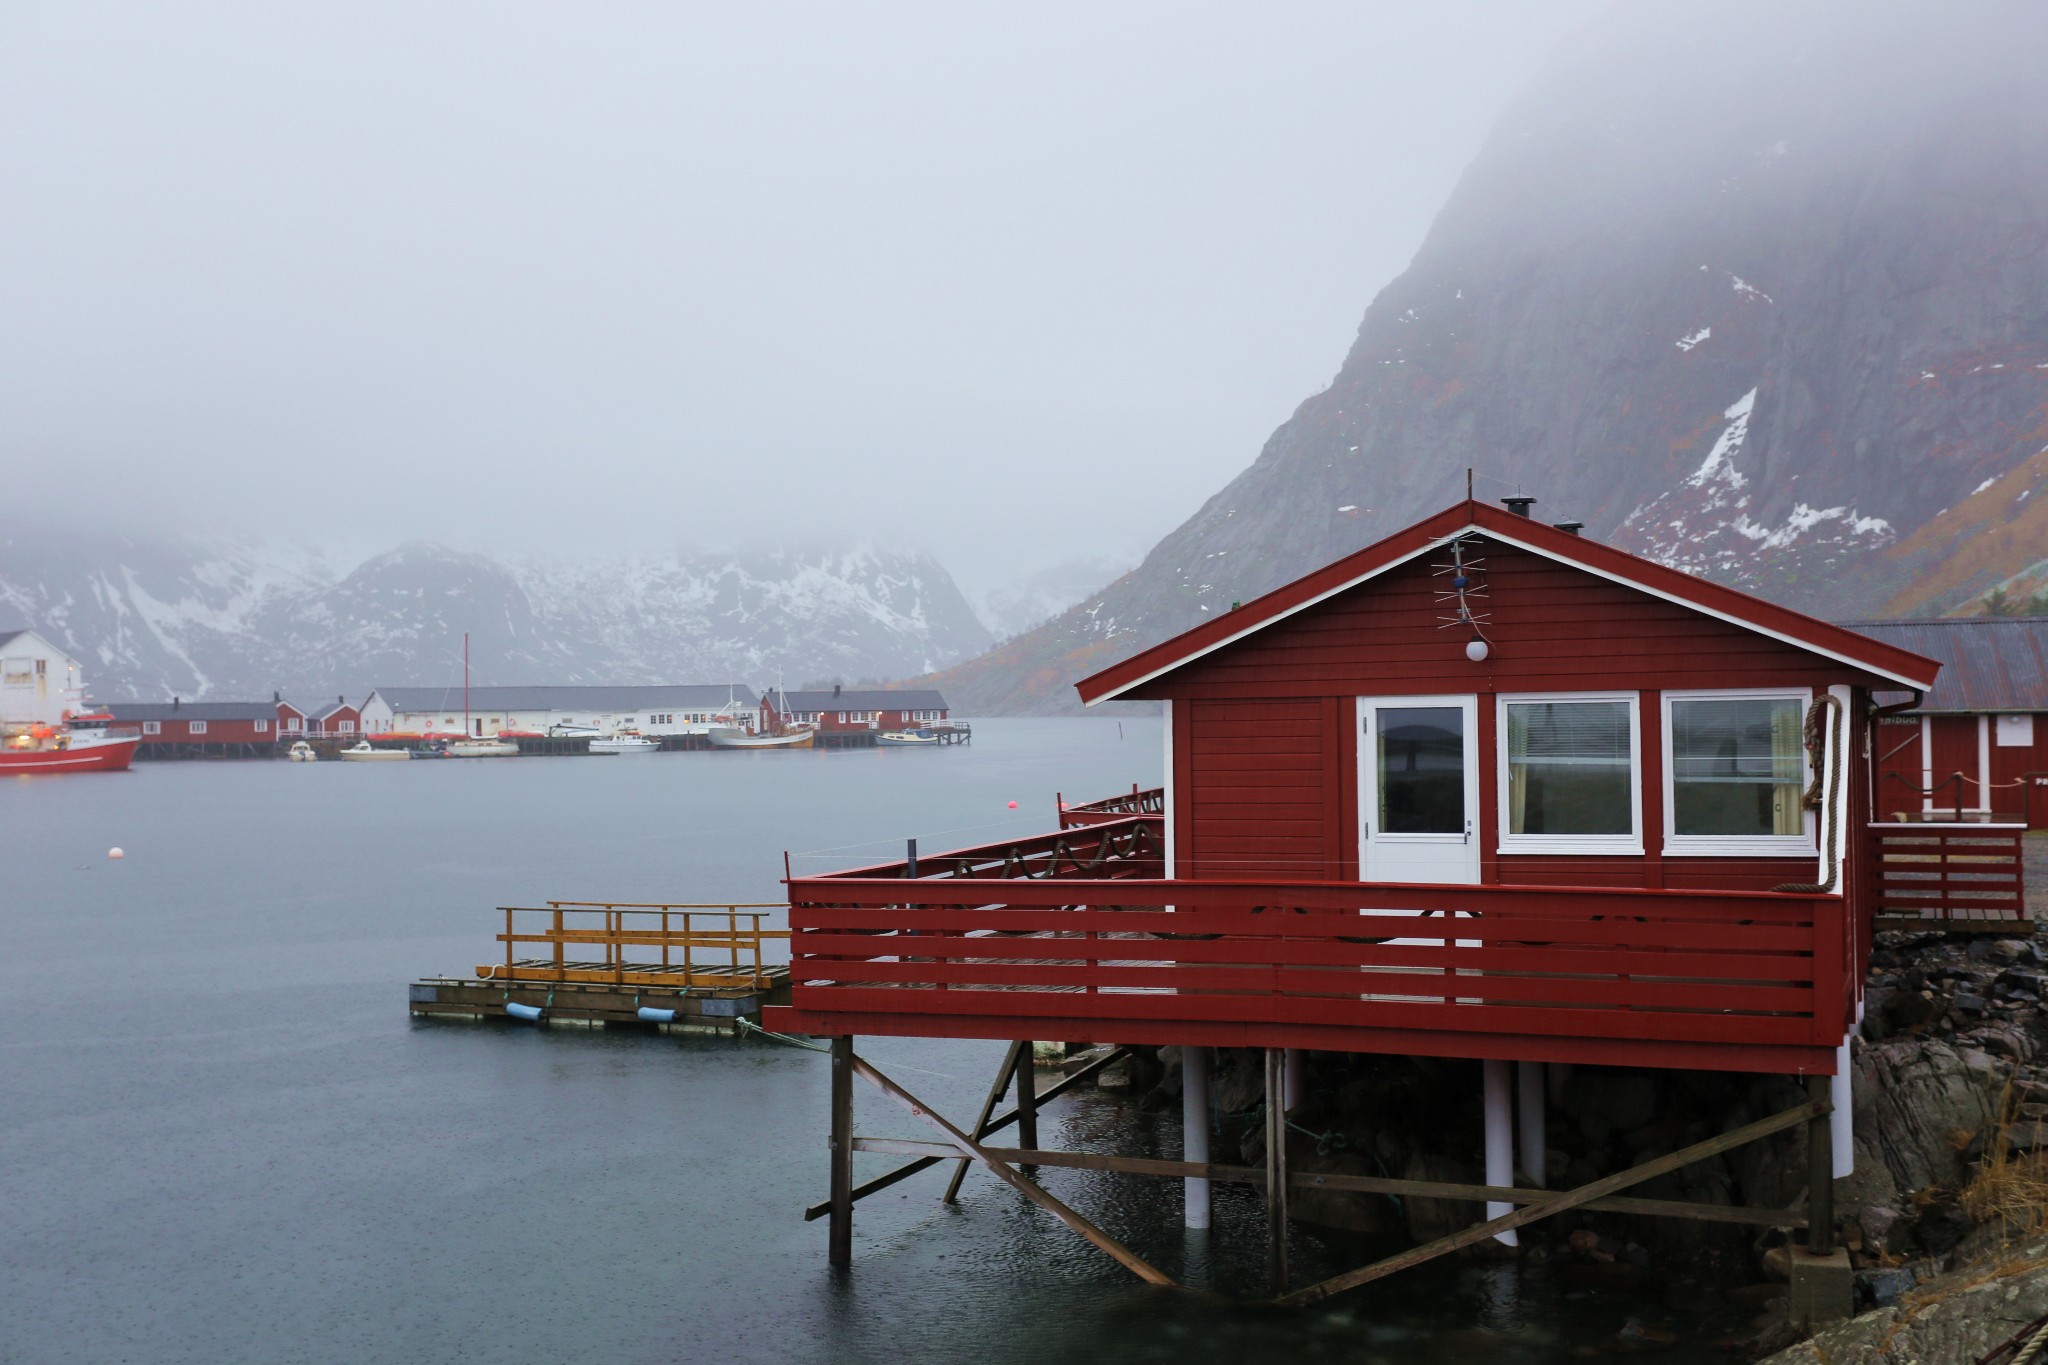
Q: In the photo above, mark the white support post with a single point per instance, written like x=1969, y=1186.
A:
x=1842, y=1124
x=1529, y=1121
x=1297, y=1078
x=1194, y=1122
x=1500, y=1142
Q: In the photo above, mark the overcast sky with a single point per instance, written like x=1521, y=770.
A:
x=1019, y=283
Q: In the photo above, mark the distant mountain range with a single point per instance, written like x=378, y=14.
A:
x=199, y=619
x=1757, y=290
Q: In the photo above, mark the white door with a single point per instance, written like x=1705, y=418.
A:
x=1418, y=798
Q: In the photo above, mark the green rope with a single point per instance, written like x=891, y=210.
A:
x=749, y=1026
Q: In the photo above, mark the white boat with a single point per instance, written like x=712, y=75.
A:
x=363, y=752
x=732, y=737
x=565, y=730
x=482, y=748
x=302, y=752
x=906, y=739
x=624, y=744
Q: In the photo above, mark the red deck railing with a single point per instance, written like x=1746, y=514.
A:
x=1952, y=876
x=1119, y=807
x=1082, y=939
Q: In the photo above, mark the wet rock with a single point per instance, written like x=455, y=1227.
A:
x=1955, y=1317
x=1429, y=1219
x=1876, y=1223
x=1608, y=1102
x=1881, y=1288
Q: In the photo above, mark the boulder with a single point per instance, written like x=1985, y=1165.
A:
x=1956, y=1317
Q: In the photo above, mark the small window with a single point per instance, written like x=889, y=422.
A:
x=291, y=724
x=152, y=727
x=1569, y=780
x=262, y=727
x=195, y=727
x=347, y=727
x=2015, y=732
x=1736, y=774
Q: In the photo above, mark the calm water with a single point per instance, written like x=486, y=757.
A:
x=223, y=1139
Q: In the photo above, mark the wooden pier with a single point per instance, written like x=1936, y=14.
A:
x=608, y=962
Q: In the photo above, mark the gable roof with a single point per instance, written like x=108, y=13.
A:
x=908, y=699
x=321, y=710
x=1887, y=661
x=1988, y=663
x=682, y=696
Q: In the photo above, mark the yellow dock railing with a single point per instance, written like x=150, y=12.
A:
x=639, y=944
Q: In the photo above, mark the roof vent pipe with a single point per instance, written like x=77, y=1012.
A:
x=835, y=691
x=1519, y=504
x=1570, y=528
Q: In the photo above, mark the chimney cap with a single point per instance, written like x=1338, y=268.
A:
x=1519, y=503
x=1570, y=528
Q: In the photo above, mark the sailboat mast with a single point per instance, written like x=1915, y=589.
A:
x=465, y=685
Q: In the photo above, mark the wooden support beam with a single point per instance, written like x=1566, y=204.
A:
x=1027, y=1096
x=841, y=1228
x=1820, y=1169
x=1359, y=1184
x=1570, y=1199
x=995, y=1125
x=1276, y=1170
x=1009, y=1175
x=981, y=1123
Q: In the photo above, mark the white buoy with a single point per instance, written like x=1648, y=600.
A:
x=116, y=854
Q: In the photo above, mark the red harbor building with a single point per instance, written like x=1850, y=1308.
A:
x=200, y=729
x=1484, y=790
x=843, y=710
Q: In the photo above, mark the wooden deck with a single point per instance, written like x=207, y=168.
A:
x=1077, y=936
x=1948, y=877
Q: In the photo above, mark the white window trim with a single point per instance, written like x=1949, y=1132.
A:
x=1628, y=845
x=262, y=727
x=152, y=727
x=195, y=727
x=1678, y=845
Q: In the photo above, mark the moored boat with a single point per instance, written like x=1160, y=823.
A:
x=83, y=745
x=301, y=752
x=362, y=751
x=735, y=738
x=906, y=739
x=626, y=743
x=483, y=748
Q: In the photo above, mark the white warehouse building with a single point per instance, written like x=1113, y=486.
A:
x=39, y=683
x=671, y=709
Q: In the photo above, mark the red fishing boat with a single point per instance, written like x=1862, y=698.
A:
x=84, y=744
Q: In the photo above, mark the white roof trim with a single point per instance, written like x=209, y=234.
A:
x=1625, y=580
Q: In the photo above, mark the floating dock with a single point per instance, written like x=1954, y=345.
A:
x=642, y=964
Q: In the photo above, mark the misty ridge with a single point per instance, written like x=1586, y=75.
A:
x=1758, y=291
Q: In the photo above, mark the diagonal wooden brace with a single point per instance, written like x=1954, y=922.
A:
x=994, y=1125
x=1009, y=1175
x=1570, y=1199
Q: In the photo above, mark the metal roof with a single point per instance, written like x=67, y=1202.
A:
x=908, y=699
x=1988, y=663
x=191, y=710
x=682, y=696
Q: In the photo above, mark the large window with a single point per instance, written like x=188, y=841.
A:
x=1736, y=773
x=1568, y=779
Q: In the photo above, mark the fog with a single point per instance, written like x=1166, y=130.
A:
x=1021, y=284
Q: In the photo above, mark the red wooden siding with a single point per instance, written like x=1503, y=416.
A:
x=1257, y=781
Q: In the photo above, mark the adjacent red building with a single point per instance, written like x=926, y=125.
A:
x=203, y=729
x=1976, y=747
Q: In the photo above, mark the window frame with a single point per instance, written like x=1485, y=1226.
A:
x=1676, y=845
x=195, y=727
x=1628, y=845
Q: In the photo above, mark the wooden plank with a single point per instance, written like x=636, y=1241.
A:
x=996, y=1090
x=995, y=1125
x=840, y=1235
x=1360, y=1184
x=1008, y=1174
x=1557, y=1204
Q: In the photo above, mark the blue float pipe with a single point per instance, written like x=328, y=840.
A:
x=654, y=1016
x=530, y=1013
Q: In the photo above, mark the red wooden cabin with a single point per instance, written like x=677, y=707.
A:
x=1486, y=789
x=849, y=710
x=211, y=729
x=333, y=719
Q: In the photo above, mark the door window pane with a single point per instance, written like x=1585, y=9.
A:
x=1737, y=767
x=1422, y=769
x=1569, y=768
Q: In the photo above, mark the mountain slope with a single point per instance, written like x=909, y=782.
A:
x=200, y=619
x=1759, y=291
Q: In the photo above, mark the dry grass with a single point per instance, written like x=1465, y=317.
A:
x=2009, y=1187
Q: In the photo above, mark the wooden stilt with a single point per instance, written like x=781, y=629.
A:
x=1027, y=1097
x=1555, y=1204
x=1276, y=1170
x=841, y=1228
x=1009, y=1175
x=995, y=1125
x=1820, y=1169
x=981, y=1122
